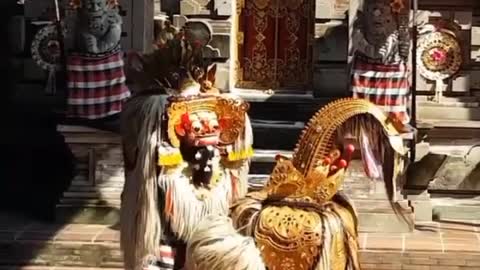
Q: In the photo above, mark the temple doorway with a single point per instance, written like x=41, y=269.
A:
x=274, y=44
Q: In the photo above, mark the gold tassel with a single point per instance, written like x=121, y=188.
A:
x=170, y=159
x=241, y=155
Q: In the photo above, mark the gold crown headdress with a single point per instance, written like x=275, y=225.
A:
x=316, y=170
x=231, y=112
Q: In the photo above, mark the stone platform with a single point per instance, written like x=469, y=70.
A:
x=433, y=245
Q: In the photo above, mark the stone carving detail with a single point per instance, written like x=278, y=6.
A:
x=326, y=9
x=223, y=7
x=194, y=7
x=458, y=172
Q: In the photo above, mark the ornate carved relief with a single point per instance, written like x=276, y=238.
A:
x=194, y=7
x=327, y=9
x=274, y=42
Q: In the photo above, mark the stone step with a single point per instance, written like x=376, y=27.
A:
x=444, y=104
x=255, y=182
x=431, y=123
x=370, y=220
x=449, y=100
x=83, y=192
x=460, y=207
x=448, y=113
x=375, y=215
x=268, y=134
x=90, y=202
x=280, y=134
x=283, y=107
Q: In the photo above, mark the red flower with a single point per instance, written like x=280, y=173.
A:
x=197, y=43
x=397, y=5
x=438, y=55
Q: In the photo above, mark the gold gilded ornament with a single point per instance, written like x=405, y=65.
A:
x=289, y=238
x=290, y=227
x=306, y=177
x=318, y=137
x=287, y=182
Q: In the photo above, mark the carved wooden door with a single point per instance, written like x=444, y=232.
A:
x=274, y=42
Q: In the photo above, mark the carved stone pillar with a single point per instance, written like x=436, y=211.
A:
x=142, y=27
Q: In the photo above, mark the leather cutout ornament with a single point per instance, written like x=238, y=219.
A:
x=439, y=55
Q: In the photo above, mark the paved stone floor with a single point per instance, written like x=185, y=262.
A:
x=447, y=240
x=53, y=268
x=434, y=236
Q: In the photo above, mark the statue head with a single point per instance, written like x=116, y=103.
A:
x=380, y=20
x=93, y=7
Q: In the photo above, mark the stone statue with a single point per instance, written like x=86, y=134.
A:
x=94, y=34
x=99, y=26
x=381, y=43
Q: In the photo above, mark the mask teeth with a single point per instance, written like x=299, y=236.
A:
x=198, y=156
x=209, y=162
x=207, y=169
x=210, y=148
x=196, y=167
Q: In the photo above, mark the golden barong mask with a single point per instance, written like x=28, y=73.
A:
x=228, y=119
x=205, y=121
x=199, y=128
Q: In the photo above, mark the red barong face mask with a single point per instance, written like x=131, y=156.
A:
x=199, y=129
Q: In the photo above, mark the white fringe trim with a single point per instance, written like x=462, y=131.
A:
x=188, y=210
x=332, y=226
x=217, y=246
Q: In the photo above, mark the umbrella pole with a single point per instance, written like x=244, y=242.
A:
x=413, y=87
x=61, y=43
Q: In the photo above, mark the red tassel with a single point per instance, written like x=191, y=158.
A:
x=234, y=186
x=169, y=204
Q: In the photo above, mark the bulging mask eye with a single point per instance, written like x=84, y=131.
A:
x=196, y=126
x=213, y=124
